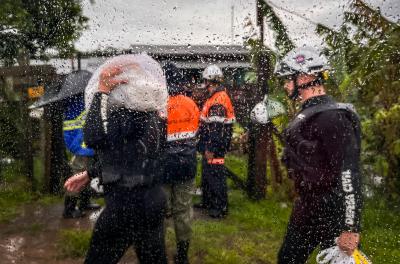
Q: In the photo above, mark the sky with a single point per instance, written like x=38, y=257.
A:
x=122, y=23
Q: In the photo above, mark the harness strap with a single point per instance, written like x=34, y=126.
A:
x=219, y=161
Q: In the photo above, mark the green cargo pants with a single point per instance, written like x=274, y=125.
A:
x=180, y=206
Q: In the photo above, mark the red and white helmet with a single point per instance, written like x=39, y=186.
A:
x=302, y=60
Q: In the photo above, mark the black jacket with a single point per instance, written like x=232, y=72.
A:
x=322, y=154
x=180, y=161
x=129, y=144
x=215, y=136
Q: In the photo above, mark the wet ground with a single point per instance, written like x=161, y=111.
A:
x=32, y=237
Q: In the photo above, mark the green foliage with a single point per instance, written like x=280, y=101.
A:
x=10, y=201
x=282, y=41
x=10, y=129
x=381, y=236
x=262, y=56
x=366, y=66
x=33, y=26
x=13, y=192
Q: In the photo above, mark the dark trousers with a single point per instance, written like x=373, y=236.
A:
x=71, y=201
x=77, y=164
x=214, y=187
x=131, y=217
x=308, y=228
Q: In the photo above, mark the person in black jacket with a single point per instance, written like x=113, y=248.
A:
x=216, y=125
x=129, y=145
x=181, y=162
x=322, y=155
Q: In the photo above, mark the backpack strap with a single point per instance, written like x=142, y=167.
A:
x=309, y=112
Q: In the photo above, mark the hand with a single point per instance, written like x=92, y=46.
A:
x=209, y=155
x=107, y=81
x=348, y=242
x=77, y=182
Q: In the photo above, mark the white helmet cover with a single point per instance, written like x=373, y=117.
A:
x=259, y=114
x=266, y=110
x=212, y=73
x=301, y=60
x=146, y=89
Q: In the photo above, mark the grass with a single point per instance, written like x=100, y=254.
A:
x=10, y=202
x=73, y=243
x=14, y=193
x=253, y=233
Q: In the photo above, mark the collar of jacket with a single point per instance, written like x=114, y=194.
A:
x=218, y=89
x=316, y=100
x=175, y=90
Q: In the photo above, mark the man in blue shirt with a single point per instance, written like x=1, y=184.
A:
x=74, y=119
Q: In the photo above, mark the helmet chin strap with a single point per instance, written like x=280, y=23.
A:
x=296, y=89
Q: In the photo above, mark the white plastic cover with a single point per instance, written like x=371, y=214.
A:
x=259, y=114
x=96, y=186
x=334, y=255
x=146, y=89
x=266, y=110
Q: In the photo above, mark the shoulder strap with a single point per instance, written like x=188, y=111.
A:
x=309, y=112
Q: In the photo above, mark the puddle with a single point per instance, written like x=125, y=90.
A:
x=32, y=237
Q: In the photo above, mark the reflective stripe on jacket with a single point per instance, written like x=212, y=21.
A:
x=183, y=118
x=76, y=123
x=75, y=116
x=218, y=98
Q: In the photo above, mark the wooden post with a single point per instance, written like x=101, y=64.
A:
x=56, y=167
x=273, y=157
x=258, y=133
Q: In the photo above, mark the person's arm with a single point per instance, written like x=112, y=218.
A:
x=341, y=139
x=73, y=140
x=95, y=129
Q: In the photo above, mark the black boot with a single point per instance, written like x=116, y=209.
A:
x=76, y=213
x=181, y=256
x=89, y=206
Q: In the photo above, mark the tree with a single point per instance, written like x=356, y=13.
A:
x=260, y=142
x=365, y=56
x=28, y=28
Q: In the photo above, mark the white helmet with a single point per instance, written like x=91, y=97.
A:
x=212, y=73
x=301, y=60
x=334, y=255
x=266, y=110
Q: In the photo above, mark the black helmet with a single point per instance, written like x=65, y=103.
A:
x=175, y=78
